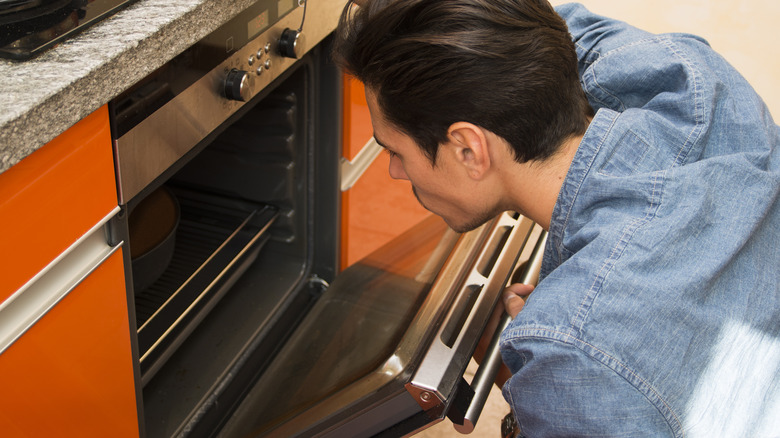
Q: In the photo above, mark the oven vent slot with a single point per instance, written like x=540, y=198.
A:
x=216, y=240
x=463, y=309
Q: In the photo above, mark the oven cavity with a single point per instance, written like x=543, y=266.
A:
x=254, y=186
x=249, y=199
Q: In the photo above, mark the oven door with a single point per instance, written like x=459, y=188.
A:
x=384, y=350
x=263, y=337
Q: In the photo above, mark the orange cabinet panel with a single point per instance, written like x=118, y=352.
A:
x=71, y=374
x=52, y=197
x=377, y=208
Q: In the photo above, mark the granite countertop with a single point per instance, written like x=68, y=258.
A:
x=42, y=97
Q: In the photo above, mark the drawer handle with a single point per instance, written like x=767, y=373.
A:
x=39, y=295
x=351, y=171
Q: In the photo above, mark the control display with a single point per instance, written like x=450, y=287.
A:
x=177, y=75
x=257, y=25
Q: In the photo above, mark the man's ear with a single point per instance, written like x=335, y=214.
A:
x=469, y=144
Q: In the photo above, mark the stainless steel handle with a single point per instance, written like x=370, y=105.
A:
x=441, y=369
x=39, y=295
x=351, y=171
x=491, y=363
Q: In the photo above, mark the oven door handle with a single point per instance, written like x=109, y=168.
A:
x=438, y=378
x=351, y=171
x=486, y=374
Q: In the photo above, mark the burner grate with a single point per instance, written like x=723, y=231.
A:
x=28, y=27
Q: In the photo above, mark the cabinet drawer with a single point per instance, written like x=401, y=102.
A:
x=54, y=196
x=71, y=374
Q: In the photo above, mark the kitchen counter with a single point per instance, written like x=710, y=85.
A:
x=42, y=97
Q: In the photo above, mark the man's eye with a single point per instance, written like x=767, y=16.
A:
x=391, y=153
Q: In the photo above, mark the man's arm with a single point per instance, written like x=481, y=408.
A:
x=563, y=392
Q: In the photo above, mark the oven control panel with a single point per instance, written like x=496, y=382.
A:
x=261, y=53
x=201, y=88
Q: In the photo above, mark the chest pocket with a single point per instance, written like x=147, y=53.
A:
x=632, y=155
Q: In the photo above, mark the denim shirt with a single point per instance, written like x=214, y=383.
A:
x=658, y=309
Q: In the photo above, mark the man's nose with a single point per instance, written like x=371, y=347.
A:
x=397, y=169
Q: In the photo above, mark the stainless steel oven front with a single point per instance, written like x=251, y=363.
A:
x=228, y=159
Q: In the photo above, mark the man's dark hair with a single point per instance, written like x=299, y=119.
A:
x=508, y=66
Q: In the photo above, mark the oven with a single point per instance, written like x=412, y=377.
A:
x=230, y=178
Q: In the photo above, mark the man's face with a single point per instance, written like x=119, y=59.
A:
x=443, y=188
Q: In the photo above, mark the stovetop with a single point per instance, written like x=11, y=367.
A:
x=28, y=27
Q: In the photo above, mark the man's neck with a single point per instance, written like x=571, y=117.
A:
x=533, y=187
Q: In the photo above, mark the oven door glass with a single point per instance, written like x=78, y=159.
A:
x=384, y=349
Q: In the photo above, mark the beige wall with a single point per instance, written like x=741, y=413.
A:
x=745, y=32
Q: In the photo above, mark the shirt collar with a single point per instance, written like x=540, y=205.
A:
x=592, y=141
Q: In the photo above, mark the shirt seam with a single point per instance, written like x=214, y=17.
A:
x=668, y=41
x=578, y=185
x=591, y=73
x=619, y=368
x=616, y=252
x=698, y=102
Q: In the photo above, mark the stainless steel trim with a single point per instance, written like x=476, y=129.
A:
x=47, y=288
x=150, y=148
x=351, y=171
x=440, y=369
x=485, y=376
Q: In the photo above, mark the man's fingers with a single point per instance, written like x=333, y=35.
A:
x=520, y=289
x=513, y=304
x=514, y=298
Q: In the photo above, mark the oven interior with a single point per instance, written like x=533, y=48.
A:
x=255, y=245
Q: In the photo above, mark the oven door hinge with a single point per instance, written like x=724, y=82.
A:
x=317, y=286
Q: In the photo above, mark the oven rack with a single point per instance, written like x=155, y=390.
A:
x=217, y=238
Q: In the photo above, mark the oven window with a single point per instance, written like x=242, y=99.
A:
x=351, y=333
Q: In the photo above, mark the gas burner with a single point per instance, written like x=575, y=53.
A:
x=18, y=11
x=28, y=27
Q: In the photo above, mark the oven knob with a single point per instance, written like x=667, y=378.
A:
x=290, y=43
x=238, y=85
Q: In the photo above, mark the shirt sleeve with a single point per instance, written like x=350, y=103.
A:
x=559, y=391
x=594, y=34
x=671, y=81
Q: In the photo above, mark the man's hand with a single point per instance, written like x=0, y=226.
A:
x=515, y=296
x=512, y=302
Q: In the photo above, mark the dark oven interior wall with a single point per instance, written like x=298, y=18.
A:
x=282, y=150
x=262, y=157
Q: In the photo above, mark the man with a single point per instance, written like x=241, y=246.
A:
x=655, y=168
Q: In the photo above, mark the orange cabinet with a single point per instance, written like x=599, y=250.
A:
x=71, y=374
x=377, y=208
x=52, y=197
x=66, y=364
